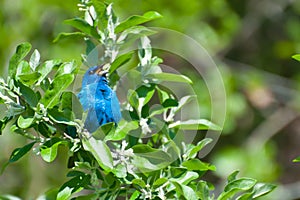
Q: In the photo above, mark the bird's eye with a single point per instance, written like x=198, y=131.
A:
x=91, y=72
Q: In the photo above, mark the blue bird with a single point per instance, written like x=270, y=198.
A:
x=98, y=99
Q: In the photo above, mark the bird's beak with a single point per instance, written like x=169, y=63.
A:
x=99, y=71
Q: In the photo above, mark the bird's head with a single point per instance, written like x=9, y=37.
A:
x=93, y=75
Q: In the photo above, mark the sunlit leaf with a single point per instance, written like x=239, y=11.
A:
x=120, y=171
x=83, y=26
x=186, y=191
x=155, y=156
x=159, y=182
x=261, y=189
x=297, y=159
x=21, y=51
x=25, y=122
x=170, y=77
x=139, y=183
x=232, y=176
x=49, y=149
x=192, y=153
x=20, y=152
x=296, y=57
x=29, y=79
x=198, y=165
x=136, y=20
x=52, y=96
x=34, y=59
x=123, y=128
x=194, y=124
x=66, y=68
x=135, y=195
x=69, y=35
x=100, y=151
x=120, y=60
x=9, y=197
x=234, y=187
x=45, y=68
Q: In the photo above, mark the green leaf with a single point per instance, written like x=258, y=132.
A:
x=261, y=189
x=155, y=156
x=133, y=33
x=170, y=77
x=170, y=103
x=296, y=57
x=29, y=95
x=100, y=151
x=120, y=60
x=241, y=184
x=184, y=100
x=144, y=165
x=9, y=197
x=61, y=36
x=203, y=190
x=73, y=186
x=49, y=195
x=29, y=79
x=120, y=171
x=45, y=68
x=25, y=122
x=185, y=178
x=139, y=183
x=185, y=191
x=50, y=148
x=192, y=153
x=64, y=194
x=194, y=124
x=135, y=195
x=122, y=130
x=34, y=59
x=159, y=182
x=21, y=51
x=198, y=165
x=83, y=26
x=66, y=68
x=62, y=117
x=234, y=187
x=133, y=97
x=104, y=130
x=136, y=20
x=297, y=159
x=3, y=123
x=23, y=68
x=52, y=95
x=69, y=101
x=20, y=152
x=232, y=176
x=88, y=197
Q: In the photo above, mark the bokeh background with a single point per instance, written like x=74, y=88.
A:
x=251, y=42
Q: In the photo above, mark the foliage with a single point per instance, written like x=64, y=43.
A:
x=141, y=158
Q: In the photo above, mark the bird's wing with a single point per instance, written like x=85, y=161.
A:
x=115, y=107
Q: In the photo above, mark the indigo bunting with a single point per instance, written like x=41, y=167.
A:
x=98, y=99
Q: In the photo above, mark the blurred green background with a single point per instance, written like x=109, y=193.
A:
x=251, y=41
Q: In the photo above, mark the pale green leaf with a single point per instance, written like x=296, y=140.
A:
x=34, y=59
x=170, y=77
x=136, y=20
x=195, y=124
x=21, y=51
x=25, y=122
x=100, y=151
